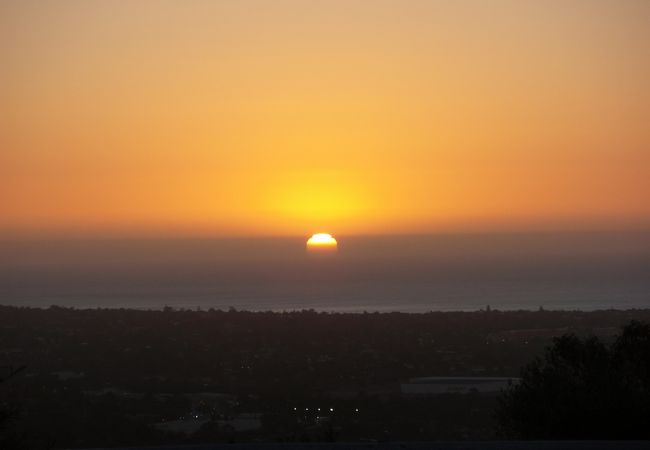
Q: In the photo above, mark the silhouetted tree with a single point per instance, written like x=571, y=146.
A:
x=582, y=389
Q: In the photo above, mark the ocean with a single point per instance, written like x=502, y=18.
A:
x=459, y=272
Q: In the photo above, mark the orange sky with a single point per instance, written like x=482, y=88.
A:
x=352, y=117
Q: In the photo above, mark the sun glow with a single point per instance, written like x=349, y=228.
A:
x=322, y=242
x=213, y=131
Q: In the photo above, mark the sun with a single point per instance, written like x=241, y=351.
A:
x=322, y=242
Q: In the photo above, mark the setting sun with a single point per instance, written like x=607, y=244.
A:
x=322, y=242
x=484, y=165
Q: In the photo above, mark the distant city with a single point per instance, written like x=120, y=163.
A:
x=226, y=376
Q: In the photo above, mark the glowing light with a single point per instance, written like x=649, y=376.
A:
x=322, y=242
x=321, y=239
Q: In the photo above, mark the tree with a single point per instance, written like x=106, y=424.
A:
x=582, y=389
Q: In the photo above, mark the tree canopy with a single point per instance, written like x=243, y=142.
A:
x=583, y=389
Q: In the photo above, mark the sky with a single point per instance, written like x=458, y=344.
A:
x=260, y=118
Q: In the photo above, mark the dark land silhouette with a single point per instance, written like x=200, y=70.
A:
x=118, y=377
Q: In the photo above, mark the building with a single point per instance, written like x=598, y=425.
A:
x=456, y=385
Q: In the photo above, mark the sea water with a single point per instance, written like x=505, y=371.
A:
x=468, y=272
